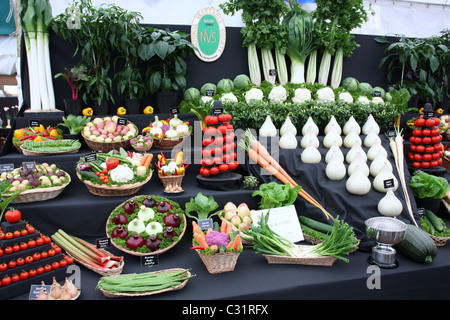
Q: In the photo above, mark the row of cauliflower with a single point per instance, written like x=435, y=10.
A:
x=241, y=88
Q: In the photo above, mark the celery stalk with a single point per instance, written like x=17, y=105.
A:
x=311, y=68
x=280, y=61
x=253, y=64
x=336, y=73
x=324, y=69
x=268, y=65
x=40, y=7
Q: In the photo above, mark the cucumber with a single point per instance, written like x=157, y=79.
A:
x=434, y=220
x=417, y=245
x=316, y=225
x=430, y=225
x=313, y=233
x=87, y=175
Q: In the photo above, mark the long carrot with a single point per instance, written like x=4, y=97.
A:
x=148, y=160
x=259, y=154
x=144, y=157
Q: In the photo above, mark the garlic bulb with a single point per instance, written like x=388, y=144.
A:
x=268, y=129
x=378, y=163
x=375, y=150
x=333, y=136
x=353, y=151
x=333, y=124
x=358, y=163
x=371, y=138
x=358, y=183
x=288, y=126
x=310, y=124
x=288, y=140
x=351, y=124
x=335, y=169
x=310, y=137
x=351, y=139
x=390, y=205
x=334, y=149
x=370, y=124
x=385, y=174
x=311, y=154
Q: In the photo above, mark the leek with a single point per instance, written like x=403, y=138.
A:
x=336, y=73
x=300, y=27
x=40, y=7
x=253, y=64
x=324, y=69
x=280, y=61
x=311, y=73
x=268, y=65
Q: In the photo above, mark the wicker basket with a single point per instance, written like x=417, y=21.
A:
x=108, y=146
x=219, y=262
x=38, y=194
x=114, y=191
x=446, y=205
x=31, y=153
x=143, y=149
x=178, y=287
x=171, y=180
x=134, y=253
x=168, y=143
x=446, y=164
x=108, y=272
x=439, y=241
x=310, y=261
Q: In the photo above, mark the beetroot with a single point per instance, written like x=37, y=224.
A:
x=169, y=233
x=163, y=206
x=130, y=206
x=153, y=242
x=149, y=202
x=120, y=219
x=119, y=232
x=172, y=220
x=135, y=241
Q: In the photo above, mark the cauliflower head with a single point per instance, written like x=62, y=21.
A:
x=346, y=97
x=301, y=95
x=377, y=100
x=254, y=94
x=121, y=173
x=363, y=100
x=325, y=95
x=228, y=97
x=278, y=94
x=217, y=238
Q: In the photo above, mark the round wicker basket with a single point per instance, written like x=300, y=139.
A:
x=108, y=146
x=148, y=293
x=219, y=262
x=114, y=191
x=108, y=272
x=134, y=253
x=439, y=241
x=171, y=180
x=38, y=194
x=168, y=143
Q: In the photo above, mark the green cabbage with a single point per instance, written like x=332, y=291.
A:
x=381, y=90
x=225, y=85
x=366, y=89
x=192, y=95
x=207, y=89
x=242, y=82
x=350, y=84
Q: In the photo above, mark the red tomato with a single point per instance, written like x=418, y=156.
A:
x=420, y=148
x=417, y=140
x=51, y=253
x=433, y=163
x=6, y=281
x=412, y=147
x=429, y=149
x=214, y=170
x=15, y=278
x=436, y=139
x=417, y=157
x=23, y=246
x=44, y=254
x=13, y=215
x=419, y=122
x=36, y=256
x=9, y=235
x=218, y=141
x=233, y=165
x=437, y=121
x=427, y=157
x=206, y=172
x=416, y=164
x=20, y=261
x=436, y=155
x=439, y=161
x=435, y=131
x=426, y=132
x=224, y=117
x=426, y=140
x=206, y=152
x=55, y=265
x=16, y=248
x=429, y=122
x=39, y=241
x=47, y=268
x=31, y=243
x=210, y=131
x=217, y=160
x=229, y=137
x=12, y=264
x=223, y=167
x=29, y=259
x=32, y=273
x=226, y=158
x=40, y=270
x=417, y=132
x=9, y=250
x=217, y=151
x=23, y=232
x=62, y=263
x=222, y=129
x=438, y=147
x=3, y=267
x=425, y=164
x=24, y=275
x=30, y=229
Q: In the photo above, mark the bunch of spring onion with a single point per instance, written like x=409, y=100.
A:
x=300, y=37
x=397, y=148
x=86, y=252
x=144, y=282
x=35, y=17
x=266, y=241
x=341, y=241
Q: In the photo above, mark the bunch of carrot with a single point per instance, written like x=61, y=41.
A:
x=146, y=160
x=260, y=155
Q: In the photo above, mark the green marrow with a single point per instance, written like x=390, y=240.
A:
x=417, y=245
x=436, y=223
x=316, y=225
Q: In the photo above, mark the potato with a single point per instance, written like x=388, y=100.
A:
x=21, y=187
x=15, y=183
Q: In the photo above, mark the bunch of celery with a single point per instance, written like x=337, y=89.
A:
x=35, y=18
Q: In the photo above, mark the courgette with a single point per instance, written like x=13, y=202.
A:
x=430, y=225
x=434, y=220
x=316, y=225
x=87, y=175
x=313, y=233
x=417, y=245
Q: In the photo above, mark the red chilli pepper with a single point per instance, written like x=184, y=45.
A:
x=198, y=247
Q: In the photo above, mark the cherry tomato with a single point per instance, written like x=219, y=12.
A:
x=24, y=275
x=9, y=235
x=433, y=163
x=233, y=165
x=55, y=265
x=23, y=246
x=30, y=229
x=68, y=259
x=16, y=234
x=226, y=158
x=47, y=268
x=31, y=243
x=420, y=148
x=207, y=141
x=6, y=281
x=57, y=249
x=15, y=278
x=214, y=170
x=417, y=132
x=223, y=167
x=206, y=152
x=437, y=121
x=16, y=248
x=206, y=172
x=20, y=261
x=44, y=254
x=62, y=263
x=222, y=129
x=9, y=250
x=51, y=253
x=417, y=157
x=230, y=137
x=217, y=151
x=32, y=273
x=36, y=256
x=425, y=164
x=217, y=160
x=47, y=239
x=40, y=241
x=40, y=270
x=105, y=171
x=413, y=147
x=3, y=267
x=12, y=264
x=29, y=259
x=1, y=252
x=208, y=162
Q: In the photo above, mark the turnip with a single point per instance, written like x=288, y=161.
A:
x=229, y=214
x=236, y=220
x=243, y=210
x=244, y=226
x=247, y=219
x=229, y=205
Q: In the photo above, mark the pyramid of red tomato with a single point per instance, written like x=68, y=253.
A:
x=219, y=148
x=426, y=147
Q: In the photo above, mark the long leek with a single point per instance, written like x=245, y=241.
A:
x=253, y=64
x=280, y=62
x=324, y=69
x=336, y=73
x=268, y=65
x=311, y=69
x=40, y=7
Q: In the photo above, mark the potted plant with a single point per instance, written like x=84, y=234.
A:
x=129, y=79
x=75, y=77
x=92, y=28
x=74, y=124
x=167, y=70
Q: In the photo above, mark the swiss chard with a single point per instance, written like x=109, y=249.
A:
x=202, y=205
x=274, y=195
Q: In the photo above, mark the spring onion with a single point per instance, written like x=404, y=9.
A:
x=300, y=26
